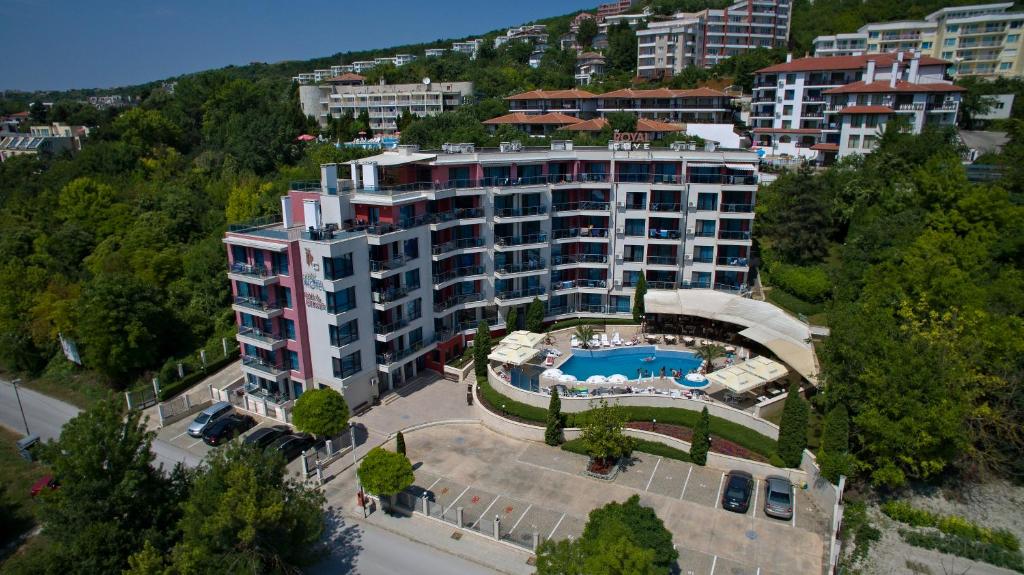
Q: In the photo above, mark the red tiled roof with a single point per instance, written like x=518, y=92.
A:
x=648, y=125
x=594, y=125
x=553, y=95
x=347, y=77
x=824, y=147
x=589, y=56
x=883, y=86
x=522, y=118
x=867, y=110
x=828, y=63
x=786, y=131
x=663, y=93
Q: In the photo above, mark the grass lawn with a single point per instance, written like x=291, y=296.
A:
x=815, y=312
x=16, y=479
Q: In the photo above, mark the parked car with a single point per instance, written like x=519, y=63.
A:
x=208, y=416
x=738, y=487
x=44, y=483
x=265, y=436
x=292, y=445
x=227, y=428
x=778, y=498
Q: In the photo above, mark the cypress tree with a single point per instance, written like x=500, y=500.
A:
x=481, y=348
x=511, y=320
x=701, y=443
x=400, y=443
x=638, y=298
x=553, y=431
x=793, y=429
x=834, y=456
x=535, y=316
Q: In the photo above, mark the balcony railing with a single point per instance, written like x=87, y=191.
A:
x=344, y=339
x=453, y=245
x=738, y=208
x=260, y=364
x=579, y=259
x=529, y=266
x=663, y=207
x=413, y=348
x=456, y=300
x=388, y=295
x=650, y=179
x=521, y=240
x=268, y=338
x=386, y=328
x=734, y=261
x=662, y=285
x=458, y=273
x=520, y=212
x=393, y=263
x=722, y=179
x=519, y=294
x=734, y=234
x=663, y=260
x=579, y=283
x=256, y=304
x=456, y=214
x=703, y=260
x=658, y=234
x=243, y=269
x=579, y=233
x=704, y=233
x=380, y=229
x=581, y=206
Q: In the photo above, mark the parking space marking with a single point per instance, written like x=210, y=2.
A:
x=756, y=483
x=556, y=526
x=718, y=497
x=713, y=561
x=656, y=464
x=195, y=444
x=521, y=517
x=435, y=483
x=687, y=482
x=485, y=512
x=177, y=436
x=456, y=500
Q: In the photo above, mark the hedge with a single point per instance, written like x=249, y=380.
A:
x=567, y=323
x=642, y=445
x=809, y=283
x=950, y=525
x=169, y=390
x=974, y=550
x=734, y=432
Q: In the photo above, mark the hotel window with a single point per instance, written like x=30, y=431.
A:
x=1011, y=38
x=873, y=35
x=293, y=360
x=926, y=45
x=343, y=334
x=789, y=95
x=289, y=329
x=869, y=142
x=338, y=267
x=791, y=78
x=949, y=42
x=870, y=121
x=341, y=301
x=947, y=55
x=1004, y=65
x=347, y=366
x=285, y=295
x=853, y=141
x=951, y=28
x=635, y=228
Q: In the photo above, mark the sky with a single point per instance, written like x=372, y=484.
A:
x=62, y=44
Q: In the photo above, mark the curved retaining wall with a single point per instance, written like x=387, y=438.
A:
x=576, y=405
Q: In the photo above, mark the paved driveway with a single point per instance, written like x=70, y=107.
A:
x=175, y=434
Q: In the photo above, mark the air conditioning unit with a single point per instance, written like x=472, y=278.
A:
x=782, y=84
x=619, y=258
x=620, y=231
x=693, y=204
x=688, y=258
x=689, y=231
x=618, y=284
x=778, y=115
x=622, y=205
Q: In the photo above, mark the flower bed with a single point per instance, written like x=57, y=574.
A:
x=718, y=445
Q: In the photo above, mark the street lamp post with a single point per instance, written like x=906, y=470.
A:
x=359, y=487
x=24, y=419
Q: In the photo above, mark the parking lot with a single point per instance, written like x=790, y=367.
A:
x=535, y=488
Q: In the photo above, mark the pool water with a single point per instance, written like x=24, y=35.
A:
x=627, y=360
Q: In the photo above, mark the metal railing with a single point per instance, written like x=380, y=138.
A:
x=259, y=335
x=664, y=207
x=733, y=261
x=737, y=208
x=453, y=301
x=505, y=241
x=581, y=206
x=413, y=348
x=260, y=364
x=660, y=234
x=459, y=213
x=520, y=212
x=453, y=245
x=722, y=179
x=389, y=295
x=562, y=260
x=663, y=260
x=256, y=304
x=521, y=293
x=578, y=283
x=386, y=328
x=393, y=263
x=529, y=266
x=457, y=273
x=240, y=268
x=579, y=233
x=734, y=234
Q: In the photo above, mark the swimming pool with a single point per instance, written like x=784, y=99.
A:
x=627, y=360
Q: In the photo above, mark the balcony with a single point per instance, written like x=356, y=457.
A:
x=659, y=234
x=380, y=267
x=725, y=180
x=664, y=207
x=459, y=300
x=251, y=274
x=456, y=245
x=439, y=280
x=520, y=242
x=517, y=214
x=260, y=338
x=662, y=285
x=733, y=262
x=738, y=208
x=662, y=260
x=256, y=307
x=944, y=107
x=576, y=259
x=596, y=234
x=670, y=179
x=390, y=328
x=381, y=229
x=264, y=367
x=523, y=268
x=734, y=234
x=390, y=295
x=579, y=284
x=442, y=220
x=582, y=207
x=512, y=297
x=387, y=360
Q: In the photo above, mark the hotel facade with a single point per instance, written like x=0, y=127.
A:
x=386, y=266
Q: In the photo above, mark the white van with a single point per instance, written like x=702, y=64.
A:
x=208, y=416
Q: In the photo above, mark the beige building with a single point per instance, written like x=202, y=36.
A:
x=981, y=40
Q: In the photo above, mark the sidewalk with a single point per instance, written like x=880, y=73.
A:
x=222, y=378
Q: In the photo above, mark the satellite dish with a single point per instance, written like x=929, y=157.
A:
x=426, y=81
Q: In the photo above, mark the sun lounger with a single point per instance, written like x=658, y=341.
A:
x=604, y=340
x=616, y=340
x=574, y=342
x=595, y=342
x=549, y=361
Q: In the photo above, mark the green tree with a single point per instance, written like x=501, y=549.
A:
x=481, y=348
x=621, y=49
x=244, y=515
x=834, y=452
x=701, y=443
x=562, y=557
x=385, y=473
x=586, y=32
x=709, y=352
x=400, y=443
x=602, y=434
x=793, y=428
x=511, y=320
x=146, y=129
x=535, y=316
x=322, y=412
x=622, y=122
x=553, y=431
x=112, y=498
x=635, y=523
x=638, y=298
x=248, y=199
x=584, y=333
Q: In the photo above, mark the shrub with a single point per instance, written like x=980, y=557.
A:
x=553, y=431
x=701, y=439
x=975, y=550
x=642, y=445
x=858, y=527
x=793, y=428
x=953, y=525
x=834, y=458
x=481, y=349
x=809, y=283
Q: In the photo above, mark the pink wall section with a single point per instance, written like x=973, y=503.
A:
x=295, y=200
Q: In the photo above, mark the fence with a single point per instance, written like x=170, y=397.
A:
x=141, y=398
x=182, y=406
x=325, y=453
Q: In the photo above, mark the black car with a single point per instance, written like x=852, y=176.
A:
x=292, y=445
x=265, y=436
x=227, y=428
x=738, y=487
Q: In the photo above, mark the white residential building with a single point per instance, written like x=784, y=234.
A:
x=470, y=47
x=534, y=33
x=434, y=52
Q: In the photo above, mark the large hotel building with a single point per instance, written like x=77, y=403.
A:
x=387, y=265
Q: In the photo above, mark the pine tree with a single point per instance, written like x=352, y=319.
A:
x=701, y=443
x=511, y=320
x=553, y=432
x=834, y=454
x=638, y=298
x=793, y=429
x=400, y=443
x=535, y=316
x=481, y=348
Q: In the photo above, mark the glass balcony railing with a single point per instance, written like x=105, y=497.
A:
x=450, y=302
x=391, y=264
x=521, y=293
x=387, y=295
x=661, y=234
x=457, y=273
x=734, y=234
x=722, y=179
x=386, y=328
x=734, y=261
x=256, y=271
x=663, y=260
x=398, y=355
x=264, y=365
x=256, y=304
x=738, y=208
x=520, y=212
x=453, y=245
x=268, y=338
x=664, y=207
x=561, y=260
x=529, y=266
x=456, y=214
x=581, y=206
x=505, y=241
x=579, y=233
x=557, y=285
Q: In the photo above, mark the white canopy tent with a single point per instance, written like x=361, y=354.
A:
x=523, y=337
x=764, y=368
x=736, y=379
x=513, y=354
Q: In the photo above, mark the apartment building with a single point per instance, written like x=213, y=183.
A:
x=614, y=8
x=384, y=103
x=19, y=144
x=367, y=281
x=534, y=33
x=826, y=108
x=705, y=38
x=588, y=65
x=434, y=52
x=470, y=48
x=700, y=105
x=980, y=40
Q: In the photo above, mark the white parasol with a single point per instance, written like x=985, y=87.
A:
x=597, y=379
x=552, y=372
x=567, y=378
x=618, y=378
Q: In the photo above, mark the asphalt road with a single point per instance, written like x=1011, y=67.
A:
x=363, y=549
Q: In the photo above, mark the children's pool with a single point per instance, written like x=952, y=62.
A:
x=631, y=362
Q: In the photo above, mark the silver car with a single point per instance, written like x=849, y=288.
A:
x=208, y=416
x=778, y=498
